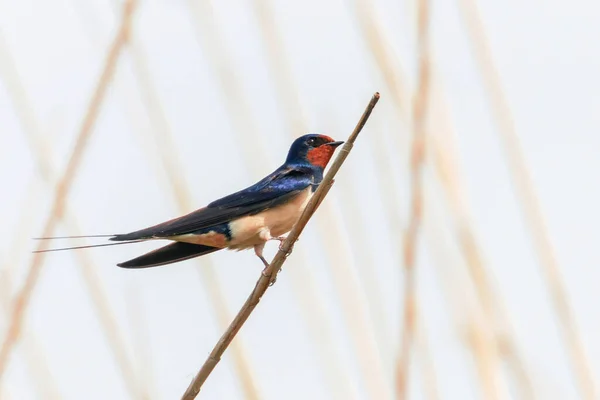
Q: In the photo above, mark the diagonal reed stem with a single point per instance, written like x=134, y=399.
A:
x=417, y=161
x=163, y=138
x=529, y=202
x=64, y=184
x=443, y=154
x=269, y=275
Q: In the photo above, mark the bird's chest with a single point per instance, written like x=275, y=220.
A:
x=254, y=229
x=281, y=219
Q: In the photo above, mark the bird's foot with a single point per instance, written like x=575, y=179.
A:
x=272, y=277
x=281, y=240
x=287, y=252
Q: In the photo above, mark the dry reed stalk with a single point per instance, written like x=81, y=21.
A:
x=280, y=69
x=359, y=317
x=480, y=339
x=319, y=325
x=107, y=319
x=444, y=161
x=19, y=246
x=141, y=344
x=269, y=275
x=36, y=363
x=208, y=279
x=18, y=95
x=163, y=138
x=528, y=201
x=355, y=308
x=236, y=101
x=57, y=209
x=484, y=357
x=430, y=386
x=393, y=76
x=45, y=170
x=388, y=64
x=110, y=327
x=417, y=161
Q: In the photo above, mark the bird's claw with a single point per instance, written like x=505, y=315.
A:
x=281, y=240
x=272, y=277
x=286, y=252
x=264, y=273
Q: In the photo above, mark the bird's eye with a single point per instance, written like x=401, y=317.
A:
x=312, y=141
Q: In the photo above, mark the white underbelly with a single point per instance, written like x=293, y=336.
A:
x=256, y=229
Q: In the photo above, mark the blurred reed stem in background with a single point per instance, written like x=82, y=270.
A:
x=58, y=207
x=528, y=201
x=420, y=114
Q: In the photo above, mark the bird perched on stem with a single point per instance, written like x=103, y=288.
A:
x=245, y=219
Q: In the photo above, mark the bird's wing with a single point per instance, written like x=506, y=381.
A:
x=279, y=187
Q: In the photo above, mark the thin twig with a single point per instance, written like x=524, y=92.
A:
x=62, y=189
x=529, y=202
x=417, y=160
x=269, y=275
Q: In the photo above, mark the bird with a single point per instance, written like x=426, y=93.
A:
x=243, y=220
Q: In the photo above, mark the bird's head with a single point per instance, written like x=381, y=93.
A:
x=312, y=149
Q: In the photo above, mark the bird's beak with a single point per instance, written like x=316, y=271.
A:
x=334, y=144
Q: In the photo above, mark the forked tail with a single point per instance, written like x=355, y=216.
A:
x=177, y=251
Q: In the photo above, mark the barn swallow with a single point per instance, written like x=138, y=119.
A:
x=245, y=219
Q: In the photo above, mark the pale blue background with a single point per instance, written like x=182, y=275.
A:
x=548, y=58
